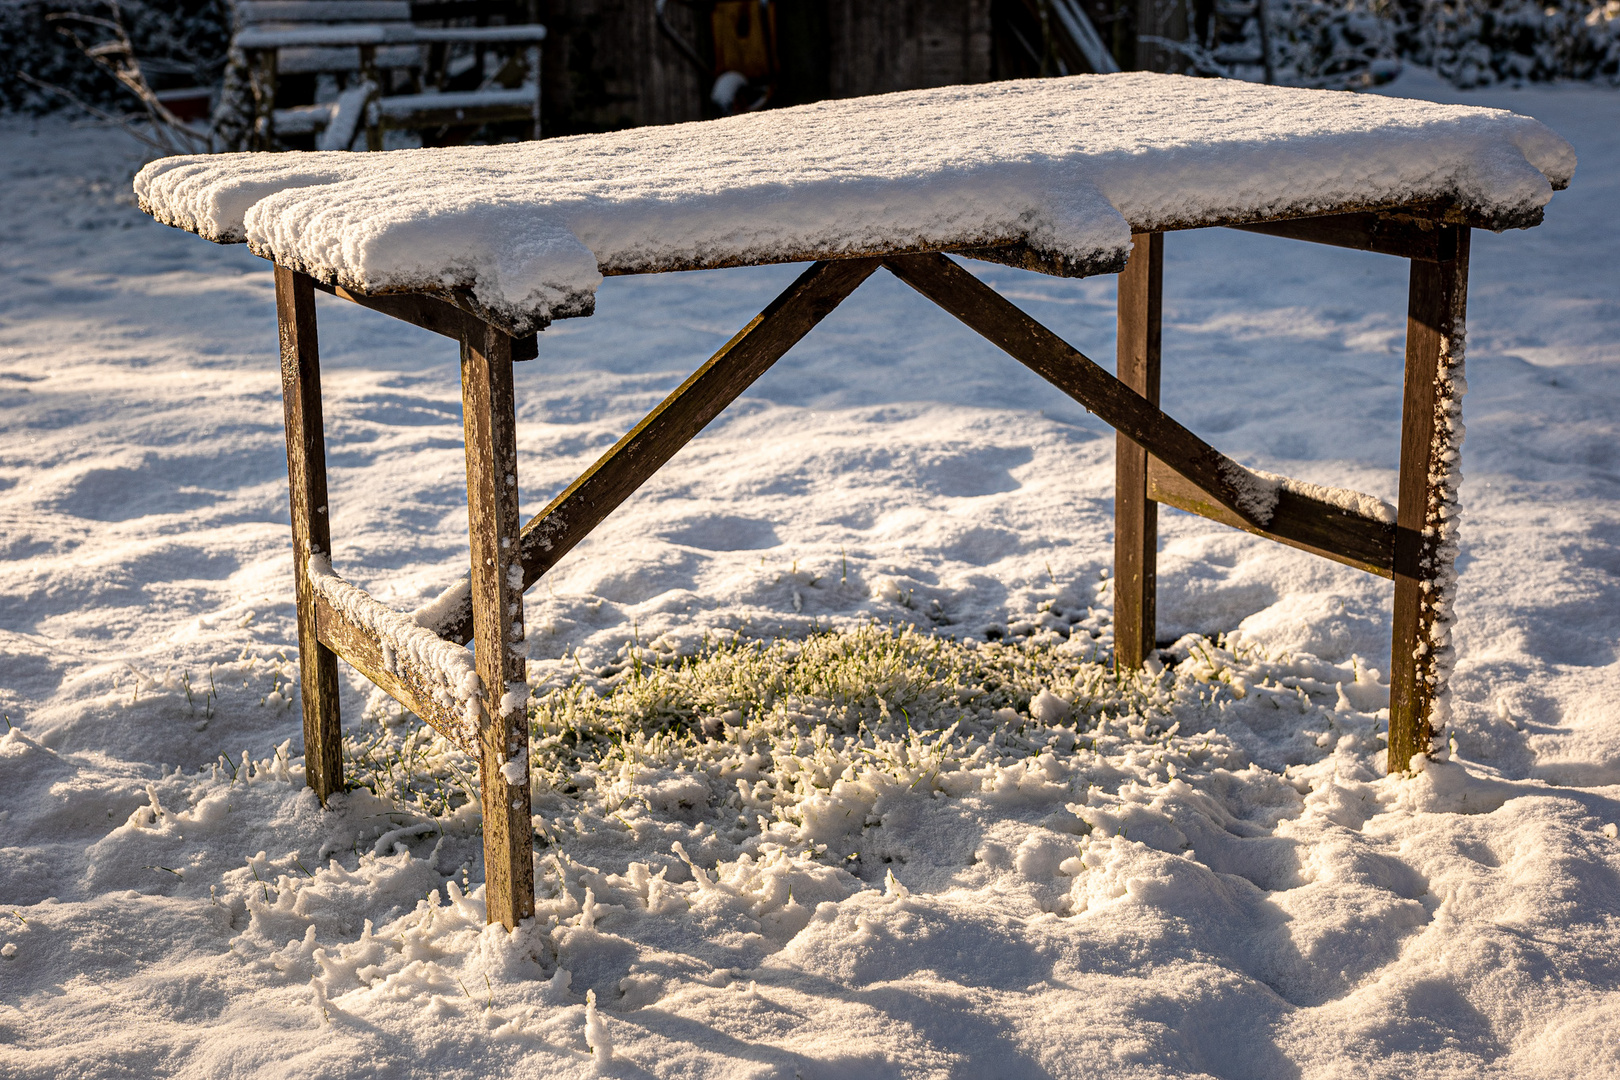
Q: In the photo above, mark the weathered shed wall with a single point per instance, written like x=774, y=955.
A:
x=906, y=45
x=607, y=65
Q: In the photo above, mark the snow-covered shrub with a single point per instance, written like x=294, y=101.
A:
x=1478, y=42
x=1469, y=42
x=1336, y=43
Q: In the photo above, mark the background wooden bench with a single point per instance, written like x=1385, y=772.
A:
x=319, y=72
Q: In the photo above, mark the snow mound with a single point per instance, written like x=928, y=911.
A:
x=1068, y=166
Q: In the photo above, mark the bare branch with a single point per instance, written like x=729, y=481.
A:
x=127, y=70
x=99, y=114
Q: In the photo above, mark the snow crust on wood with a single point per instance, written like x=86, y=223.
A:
x=1068, y=166
x=1442, y=517
x=254, y=12
x=1367, y=506
x=444, y=665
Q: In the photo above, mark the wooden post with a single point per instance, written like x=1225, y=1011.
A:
x=262, y=79
x=311, y=528
x=1154, y=19
x=373, y=119
x=534, y=73
x=1425, y=522
x=489, y=419
x=1136, y=517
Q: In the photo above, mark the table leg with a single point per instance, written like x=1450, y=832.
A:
x=490, y=421
x=311, y=529
x=1136, y=517
x=1426, y=522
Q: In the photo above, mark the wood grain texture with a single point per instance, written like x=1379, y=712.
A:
x=359, y=648
x=605, y=66
x=1025, y=257
x=306, y=488
x=431, y=314
x=1009, y=253
x=1299, y=521
x=493, y=527
x=1388, y=234
x=1136, y=516
x=1064, y=366
x=1436, y=315
x=617, y=475
x=1440, y=211
x=1403, y=222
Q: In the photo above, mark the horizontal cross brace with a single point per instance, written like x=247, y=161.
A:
x=1300, y=521
x=360, y=648
x=1387, y=234
x=1011, y=253
x=1022, y=254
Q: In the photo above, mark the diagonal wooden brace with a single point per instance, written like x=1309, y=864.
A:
x=1061, y=364
x=618, y=474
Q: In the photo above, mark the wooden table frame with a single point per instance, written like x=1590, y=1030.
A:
x=1159, y=461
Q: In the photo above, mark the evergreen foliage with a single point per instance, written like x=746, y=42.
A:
x=179, y=42
x=1468, y=42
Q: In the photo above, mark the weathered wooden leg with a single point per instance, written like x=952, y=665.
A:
x=490, y=422
x=306, y=485
x=1426, y=521
x=1136, y=517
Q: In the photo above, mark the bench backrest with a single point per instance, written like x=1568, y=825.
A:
x=266, y=13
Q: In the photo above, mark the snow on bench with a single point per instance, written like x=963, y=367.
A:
x=384, y=34
x=1068, y=167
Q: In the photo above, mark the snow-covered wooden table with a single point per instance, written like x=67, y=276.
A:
x=1077, y=176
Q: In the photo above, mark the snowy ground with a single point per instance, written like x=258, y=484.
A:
x=1244, y=896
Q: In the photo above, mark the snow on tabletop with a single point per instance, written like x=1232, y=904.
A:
x=1068, y=166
